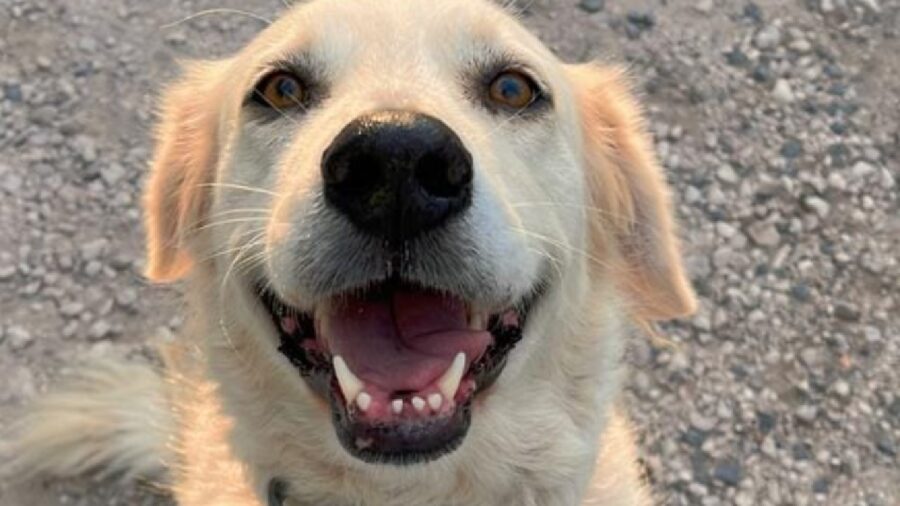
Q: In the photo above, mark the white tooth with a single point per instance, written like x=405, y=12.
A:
x=397, y=406
x=477, y=322
x=449, y=382
x=418, y=403
x=350, y=385
x=364, y=400
x=435, y=401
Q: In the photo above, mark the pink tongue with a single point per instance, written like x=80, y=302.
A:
x=404, y=341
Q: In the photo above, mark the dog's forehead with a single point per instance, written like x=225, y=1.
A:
x=388, y=32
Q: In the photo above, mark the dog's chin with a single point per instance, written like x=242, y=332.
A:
x=399, y=364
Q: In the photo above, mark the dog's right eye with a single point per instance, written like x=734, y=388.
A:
x=513, y=89
x=280, y=90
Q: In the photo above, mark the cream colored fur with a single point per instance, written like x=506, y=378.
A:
x=579, y=192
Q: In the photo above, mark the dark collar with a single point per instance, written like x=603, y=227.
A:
x=278, y=490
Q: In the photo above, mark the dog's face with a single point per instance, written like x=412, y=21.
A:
x=402, y=201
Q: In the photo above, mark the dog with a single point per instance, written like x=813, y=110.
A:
x=413, y=242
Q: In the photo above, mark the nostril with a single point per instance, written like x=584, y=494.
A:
x=356, y=173
x=443, y=176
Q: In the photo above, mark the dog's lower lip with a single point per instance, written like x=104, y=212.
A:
x=428, y=424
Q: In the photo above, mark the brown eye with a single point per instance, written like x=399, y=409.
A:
x=513, y=89
x=280, y=90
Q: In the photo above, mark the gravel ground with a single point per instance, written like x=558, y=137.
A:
x=777, y=120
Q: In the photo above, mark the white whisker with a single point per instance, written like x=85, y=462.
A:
x=258, y=219
x=257, y=235
x=209, y=12
x=234, y=186
x=559, y=244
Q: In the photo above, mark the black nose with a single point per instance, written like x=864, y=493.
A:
x=398, y=174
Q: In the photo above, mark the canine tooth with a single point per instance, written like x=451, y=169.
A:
x=477, y=322
x=350, y=385
x=364, y=400
x=449, y=382
x=435, y=401
x=418, y=403
x=397, y=406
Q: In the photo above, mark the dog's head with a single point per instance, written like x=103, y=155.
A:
x=398, y=196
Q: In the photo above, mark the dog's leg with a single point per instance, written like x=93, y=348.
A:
x=111, y=417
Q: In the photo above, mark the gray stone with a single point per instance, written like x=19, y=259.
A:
x=812, y=357
x=767, y=38
x=807, y=413
x=762, y=73
x=872, y=334
x=862, y=169
x=101, y=329
x=847, y=311
x=888, y=181
x=735, y=58
x=93, y=268
x=86, y=148
x=19, y=338
x=70, y=330
x=94, y=250
x=728, y=472
x=837, y=181
x=801, y=292
x=704, y=6
x=702, y=423
x=71, y=309
x=121, y=261
x=699, y=266
x=764, y=234
x=7, y=272
x=726, y=230
x=12, y=183
x=592, y=5
x=821, y=485
x=841, y=388
x=13, y=92
x=698, y=489
x=727, y=175
x=817, y=205
x=783, y=92
x=885, y=443
x=768, y=448
x=127, y=297
x=801, y=46
x=792, y=148
x=113, y=174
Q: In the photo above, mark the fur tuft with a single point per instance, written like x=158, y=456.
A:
x=110, y=417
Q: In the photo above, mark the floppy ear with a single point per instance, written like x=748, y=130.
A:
x=175, y=199
x=633, y=225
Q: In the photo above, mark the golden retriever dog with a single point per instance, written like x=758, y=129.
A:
x=412, y=241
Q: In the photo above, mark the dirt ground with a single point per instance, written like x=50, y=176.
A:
x=777, y=122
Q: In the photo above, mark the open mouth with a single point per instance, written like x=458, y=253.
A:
x=399, y=364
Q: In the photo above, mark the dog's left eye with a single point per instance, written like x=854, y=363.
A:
x=280, y=90
x=513, y=89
